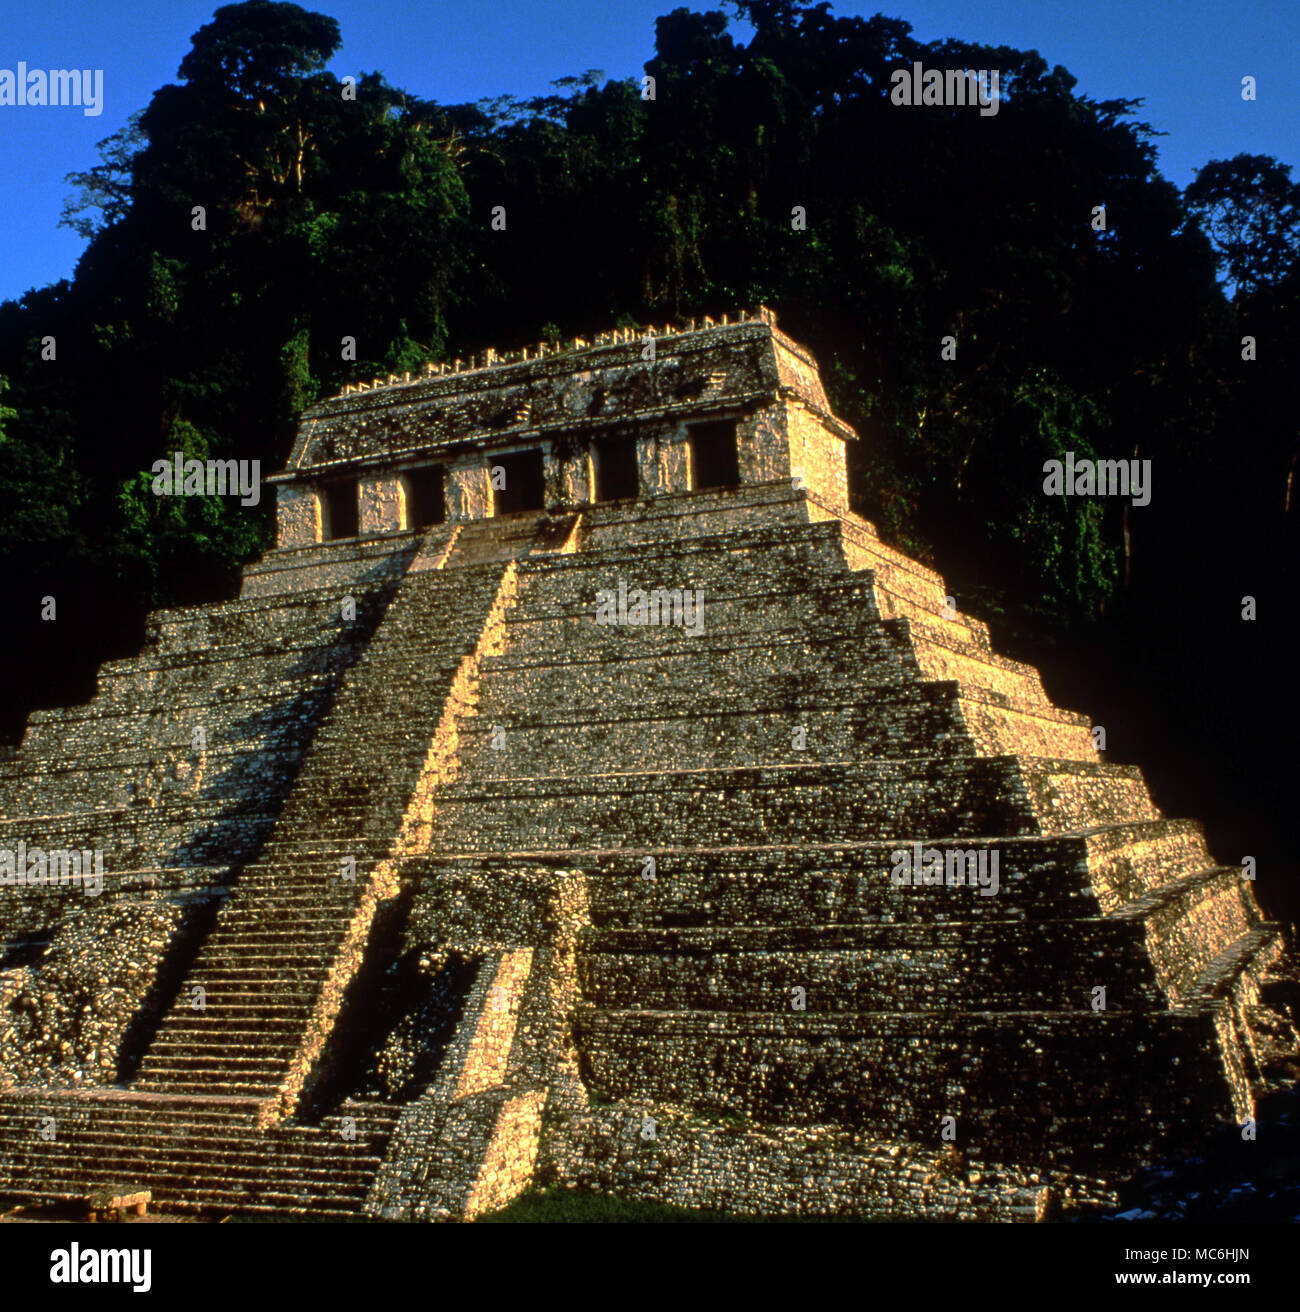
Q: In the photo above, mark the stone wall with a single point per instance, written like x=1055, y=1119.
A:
x=817, y=455
x=471, y=1142
x=568, y=472
x=659, y=1153
x=63, y=1021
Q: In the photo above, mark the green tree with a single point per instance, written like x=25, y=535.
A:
x=1250, y=208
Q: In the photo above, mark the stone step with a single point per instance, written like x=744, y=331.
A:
x=228, y=1123
x=263, y=1020
x=200, y=1049
x=903, y=575
x=640, y=683
x=692, y=515
x=494, y=540
x=266, y=1059
x=305, y=908
x=303, y=1146
x=591, y=602
x=227, y=653
x=113, y=1137
x=233, y=968
x=185, y=1055
x=1067, y=796
x=179, y=1192
x=969, y=966
x=1040, y=878
x=1254, y=952
x=214, y=1035
x=903, y=585
x=273, y=945
x=762, y=735
x=906, y=590
x=231, y=1039
x=998, y=728
x=1022, y=1086
x=170, y=834
x=209, y=1087
x=939, y=656
x=805, y=885
x=165, y=1073
x=393, y=549
x=145, y=743
x=770, y=1169
x=275, y=677
x=268, y=1007
x=86, y=822
x=824, y=803
x=305, y=600
x=1191, y=922
x=287, y=940
x=296, y=1208
x=819, y=611
x=288, y=611
x=230, y=1000
x=890, y=724
x=726, y=562
x=138, y=772
x=177, y=1173
x=311, y=913
x=112, y=722
x=1129, y=861
x=329, y=1168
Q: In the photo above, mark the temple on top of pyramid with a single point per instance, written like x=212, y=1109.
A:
x=637, y=413
x=417, y=886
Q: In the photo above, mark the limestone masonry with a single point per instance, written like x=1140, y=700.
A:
x=422, y=887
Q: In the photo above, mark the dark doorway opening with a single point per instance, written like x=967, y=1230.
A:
x=339, y=502
x=614, y=459
x=715, y=460
x=523, y=483
x=426, y=502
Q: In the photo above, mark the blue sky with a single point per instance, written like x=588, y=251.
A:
x=1186, y=57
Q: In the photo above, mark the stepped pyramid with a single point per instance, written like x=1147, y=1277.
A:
x=580, y=795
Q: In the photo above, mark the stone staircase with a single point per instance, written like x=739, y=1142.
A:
x=312, y=895
x=250, y=1016
x=205, y=1156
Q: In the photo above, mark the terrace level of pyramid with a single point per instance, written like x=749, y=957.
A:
x=537, y=816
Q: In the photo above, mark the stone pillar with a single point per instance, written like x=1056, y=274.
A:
x=380, y=504
x=469, y=488
x=763, y=447
x=297, y=515
x=569, y=480
x=663, y=462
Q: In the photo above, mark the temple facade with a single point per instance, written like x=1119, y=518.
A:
x=631, y=415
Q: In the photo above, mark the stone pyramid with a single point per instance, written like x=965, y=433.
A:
x=579, y=795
